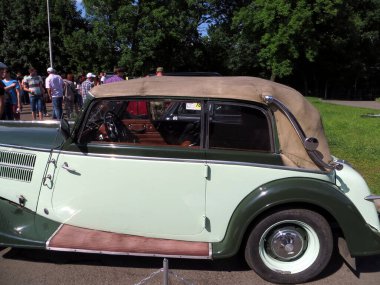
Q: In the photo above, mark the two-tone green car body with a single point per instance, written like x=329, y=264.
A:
x=192, y=167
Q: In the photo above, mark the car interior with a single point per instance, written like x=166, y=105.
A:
x=176, y=123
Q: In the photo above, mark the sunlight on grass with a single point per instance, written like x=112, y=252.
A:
x=353, y=138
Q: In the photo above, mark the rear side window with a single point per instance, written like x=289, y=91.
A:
x=239, y=127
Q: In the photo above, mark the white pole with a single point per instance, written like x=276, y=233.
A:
x=50, y=48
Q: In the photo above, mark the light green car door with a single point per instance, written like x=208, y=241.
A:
x=127, y=194
x=241, y=156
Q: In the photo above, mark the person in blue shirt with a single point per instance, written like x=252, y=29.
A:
x=12, y=98
x=2, y=91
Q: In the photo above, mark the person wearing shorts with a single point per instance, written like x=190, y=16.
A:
x=34, y=85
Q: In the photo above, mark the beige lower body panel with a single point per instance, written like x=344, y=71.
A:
x=71, y=238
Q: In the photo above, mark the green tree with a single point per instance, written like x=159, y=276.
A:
x=346, y=58
x=220, y=41
x=25, y=34
x=144, y=34
x=348, y=53
x=279, y=32
x=323, y=46
x=101, y=39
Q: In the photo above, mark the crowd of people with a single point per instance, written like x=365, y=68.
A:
x=66, y=94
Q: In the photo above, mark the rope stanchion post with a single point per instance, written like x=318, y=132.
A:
x=166, y=272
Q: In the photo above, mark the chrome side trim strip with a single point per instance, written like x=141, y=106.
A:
x=165, y=159
x=128, y=253
x=52, y=236
x=253, y=164
x=34, y=122
x=372, y=197
x=118, y=156
x=25, y=147
x=376, y=201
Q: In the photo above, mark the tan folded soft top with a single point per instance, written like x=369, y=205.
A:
x=243, y=88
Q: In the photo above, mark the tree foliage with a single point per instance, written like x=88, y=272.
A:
x=280, y=31
x=25, y=32
x=145, y=34
x=319, y=46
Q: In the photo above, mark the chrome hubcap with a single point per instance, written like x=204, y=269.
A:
x=286, y=243
x=289, y=246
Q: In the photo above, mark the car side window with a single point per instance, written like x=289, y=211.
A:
x=239, y=127
x=150, y=122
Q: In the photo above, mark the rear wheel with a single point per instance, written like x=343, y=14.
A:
x=290, y=246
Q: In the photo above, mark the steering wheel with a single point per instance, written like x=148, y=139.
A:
x=115, y=128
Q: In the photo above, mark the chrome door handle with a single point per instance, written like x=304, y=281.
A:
x=66, y=166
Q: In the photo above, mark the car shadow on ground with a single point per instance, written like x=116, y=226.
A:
x=341, y=257
x=44, y=256
x=236, y=263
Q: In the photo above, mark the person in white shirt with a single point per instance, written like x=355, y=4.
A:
x=102, y=77
x=54, y=85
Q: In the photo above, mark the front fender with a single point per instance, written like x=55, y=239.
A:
x=302, y=191
x=20, y=227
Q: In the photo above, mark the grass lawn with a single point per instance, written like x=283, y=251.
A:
x=353, y=138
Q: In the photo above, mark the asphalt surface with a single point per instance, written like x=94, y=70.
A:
x=36, y=267
x=362, y=104
x=26, y=113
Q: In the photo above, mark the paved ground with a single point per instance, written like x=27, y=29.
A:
x=362, y=104
x=36, y=267
x=26, y=114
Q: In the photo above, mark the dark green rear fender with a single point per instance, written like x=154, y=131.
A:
x=20, y=227
x=302, y=192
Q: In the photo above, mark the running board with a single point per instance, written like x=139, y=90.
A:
x=75, y=239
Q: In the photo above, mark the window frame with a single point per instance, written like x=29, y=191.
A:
x=207, y=112
x=79, y=133
x=210, y=107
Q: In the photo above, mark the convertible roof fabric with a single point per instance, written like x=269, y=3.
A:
x=242, y=88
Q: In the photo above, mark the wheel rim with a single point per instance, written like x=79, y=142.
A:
x=289, y=246
x=287, y=243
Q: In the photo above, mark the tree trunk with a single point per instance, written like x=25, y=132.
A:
x=273, y=77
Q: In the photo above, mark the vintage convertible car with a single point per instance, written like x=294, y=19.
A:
x=191, y=167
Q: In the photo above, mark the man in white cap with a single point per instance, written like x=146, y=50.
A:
x=2, y=90
x=87, y=85
x=54, y=85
